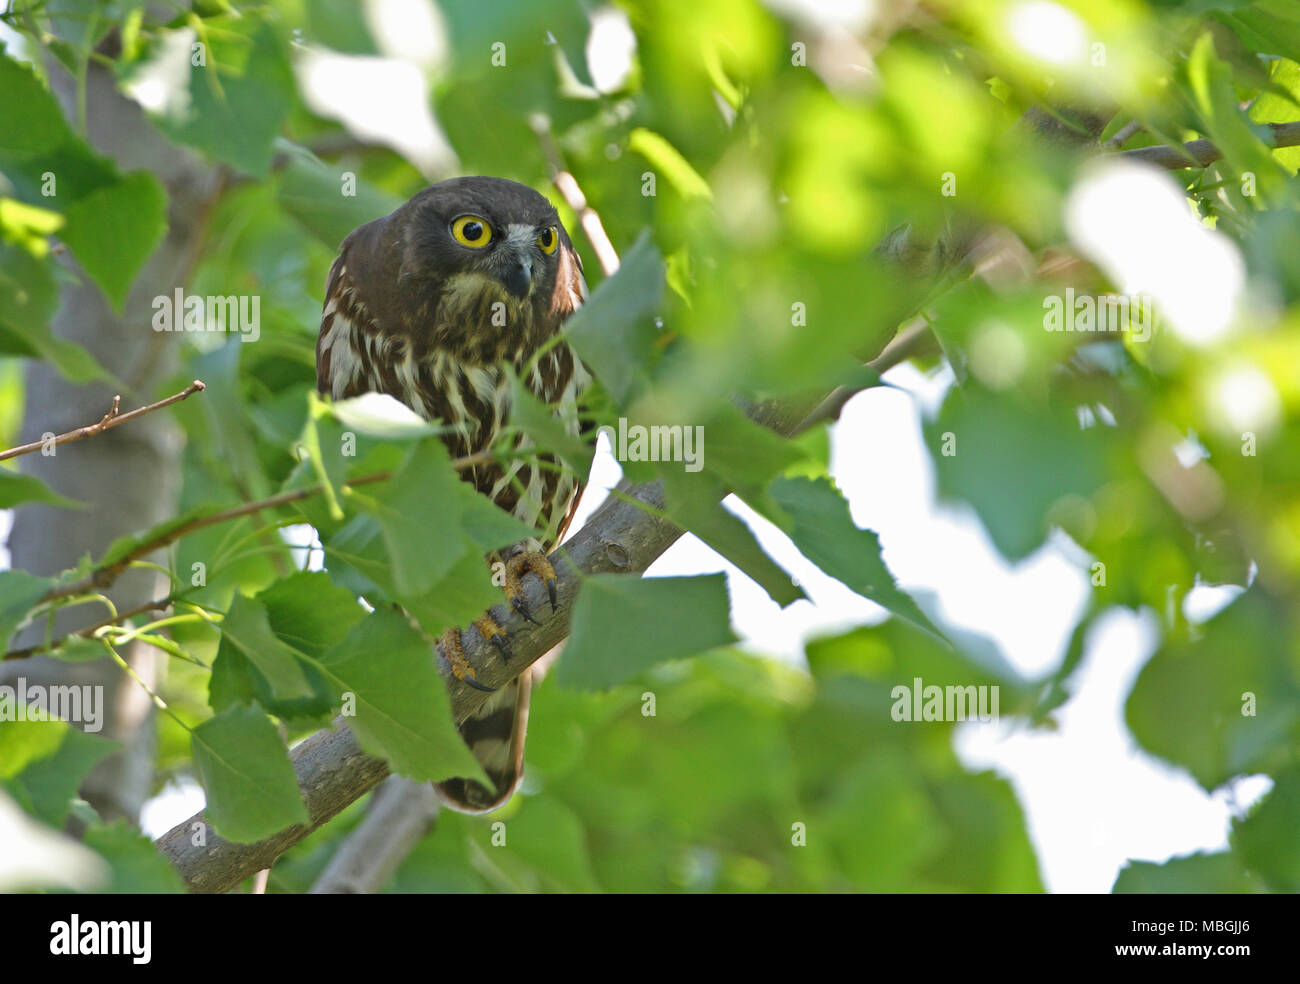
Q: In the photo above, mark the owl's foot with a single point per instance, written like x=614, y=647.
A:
x=516, y=567
x=455, y=652
x=519, y=565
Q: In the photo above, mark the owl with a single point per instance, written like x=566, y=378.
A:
x=433, y=305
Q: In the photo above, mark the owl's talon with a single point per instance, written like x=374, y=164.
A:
x=494, y=634
x=519, y=605
x=519, y=565
x=460, y=668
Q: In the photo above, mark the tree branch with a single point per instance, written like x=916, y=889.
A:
x=401, y=813
x=1199, y=153
x=107, y=422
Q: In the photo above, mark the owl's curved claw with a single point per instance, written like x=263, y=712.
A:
x=519, y=565
x=493, y=633
x=519, y=605
x=460, y=668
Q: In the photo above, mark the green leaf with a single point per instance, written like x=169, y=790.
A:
x=28, y=299
x=19, y=592
x=30, y=119
x=309, y=612
x=614, y=331
x=464, y=593
x=313, y=194
x=539, y=422
x=125, y=546
x=113, y=230
x=403, y=713
x=380, y=415
x=246, y=772
x=1266, y=839
x=744, y=455
x=16, y=487
x=239, y=100
x=138, y=868
x=980, y=441
x=45, y=761
x=693, y=502
x=1224, y=704
x=623, y=624
x=252, y=661
x=668, y=160
x=1195, y=874
x=825, y=533
x=419, y=511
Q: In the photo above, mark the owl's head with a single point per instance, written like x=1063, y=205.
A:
x=484, y=233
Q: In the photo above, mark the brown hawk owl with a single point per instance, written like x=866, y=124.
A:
x=429, y=305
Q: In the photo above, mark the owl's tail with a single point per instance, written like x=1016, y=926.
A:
x=495, y=734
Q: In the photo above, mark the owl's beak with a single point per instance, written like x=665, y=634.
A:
x=518, y=276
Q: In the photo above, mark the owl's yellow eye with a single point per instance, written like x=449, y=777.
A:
x=472, y=231
x=548, y=241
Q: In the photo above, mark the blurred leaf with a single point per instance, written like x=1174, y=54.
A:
x=1267, y=838
x=993, y=439
x=19, y=591
x=1224, y=704
x=113, y=230
x=1195, y=874
x=138, y=867
x=45, y=761
x=239, y=99
x=16, y=487
x=623, y=624
x=614, y=331
x=313, y=194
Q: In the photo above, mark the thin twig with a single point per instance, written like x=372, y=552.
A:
x=103, y=577
x=162, y=604
x=568, y=187
x=1122, y=134
x=1199, y=153
x=107, y=422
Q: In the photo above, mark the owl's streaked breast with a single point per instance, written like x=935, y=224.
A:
x=441, y=376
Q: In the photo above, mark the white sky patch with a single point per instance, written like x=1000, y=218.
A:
x=381, y=100
x=611, y=46
x=1136, y=224
x=36, y=857
x=409, y=30
x=176, y=802
x=1049, y=32
x=1093, y=799
x=1244, y=399
x=854, y=16
x=162, y=84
